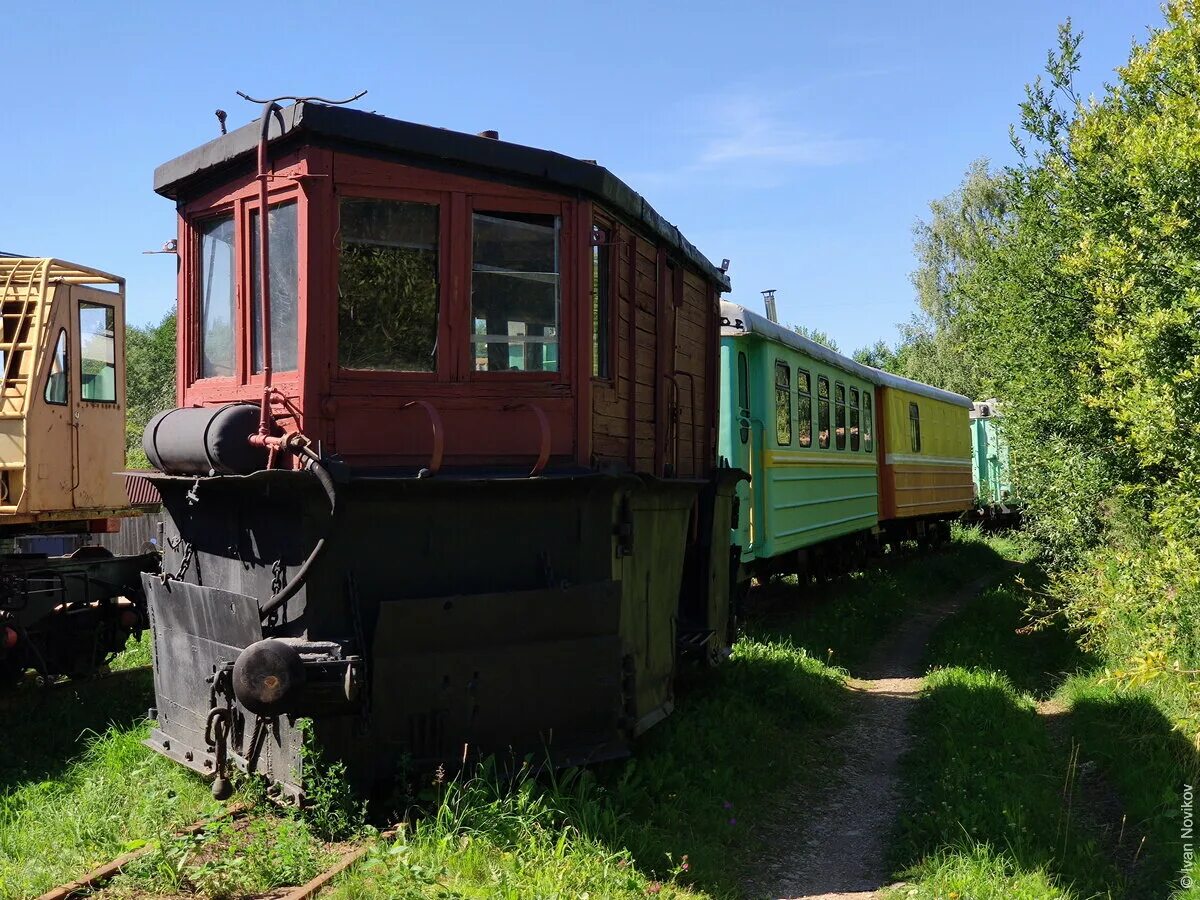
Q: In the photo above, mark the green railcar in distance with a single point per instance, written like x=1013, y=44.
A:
x=995, y=490
x=800, y=419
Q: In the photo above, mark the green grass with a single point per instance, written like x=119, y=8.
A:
x=114, y=794
x=1129, y=734
x=135, y=654
x=976, y=872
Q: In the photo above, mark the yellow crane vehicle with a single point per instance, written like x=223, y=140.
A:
x=62, y=450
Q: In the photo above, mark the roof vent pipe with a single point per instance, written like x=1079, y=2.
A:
x=769, y=303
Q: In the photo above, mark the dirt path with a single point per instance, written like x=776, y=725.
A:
x=834, y=849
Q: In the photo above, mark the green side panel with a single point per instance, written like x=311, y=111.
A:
x=810, y=504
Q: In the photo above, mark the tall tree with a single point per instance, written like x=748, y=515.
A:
x=149, y=380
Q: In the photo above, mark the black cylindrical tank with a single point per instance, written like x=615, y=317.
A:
x=205, y=441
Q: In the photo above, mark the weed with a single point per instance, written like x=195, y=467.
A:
x=332, y=807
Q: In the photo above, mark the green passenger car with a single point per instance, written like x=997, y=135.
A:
x=801, y=420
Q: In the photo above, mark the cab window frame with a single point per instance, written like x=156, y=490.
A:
x=63, y=341
x=445, y=363
x=567, y=292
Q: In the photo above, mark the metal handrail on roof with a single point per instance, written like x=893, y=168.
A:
x=21, y=270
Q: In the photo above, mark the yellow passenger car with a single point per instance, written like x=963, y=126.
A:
x=924, y=453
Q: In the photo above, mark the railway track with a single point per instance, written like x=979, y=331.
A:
x=95, y=880
x=34, y=689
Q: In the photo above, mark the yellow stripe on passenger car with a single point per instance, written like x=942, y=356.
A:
x=780, y=458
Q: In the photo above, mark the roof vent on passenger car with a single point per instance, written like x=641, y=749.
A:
x=490, y=134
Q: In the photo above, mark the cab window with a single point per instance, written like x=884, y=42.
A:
x=387, y=285
x=285, y=288
x=515, y=299
x=216, y=290
x=60, y=374
x=783, y=404
x=97, y=353
x=804, y=407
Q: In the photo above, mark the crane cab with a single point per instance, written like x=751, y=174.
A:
x=62, y=392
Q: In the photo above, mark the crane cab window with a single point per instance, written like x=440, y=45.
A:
x=783, y=403
x=804, y=407
x=60, y=375
x=515, y=296
x=387, y=285
x=97, y=353
x=914, y=426
x=839, y=396
x=854, y=424
x=823, y=412
x=868, y=444
x=216, y=289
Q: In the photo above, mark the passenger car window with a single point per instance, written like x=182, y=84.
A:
x=839, y=396
x=804, y=407
x=60, y=372
x=854, y=431
x=867, y=438
x=215, y=272
x=823, y=412
x=515, y=292
x=914, y=426
x=97, y=353
x=285, y=288
x=387, y=285
x=783, y=403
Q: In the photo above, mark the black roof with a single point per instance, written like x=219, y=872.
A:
x=340, y=127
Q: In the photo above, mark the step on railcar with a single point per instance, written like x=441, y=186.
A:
x=842, y=456
x=62, y=443
x=448, y=487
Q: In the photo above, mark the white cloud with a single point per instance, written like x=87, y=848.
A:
x=752, y=139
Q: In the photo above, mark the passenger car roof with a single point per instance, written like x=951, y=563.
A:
x=737, y=320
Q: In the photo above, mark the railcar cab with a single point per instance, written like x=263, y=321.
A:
x=441, y=300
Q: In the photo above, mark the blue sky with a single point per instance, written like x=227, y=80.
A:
x=801, y=140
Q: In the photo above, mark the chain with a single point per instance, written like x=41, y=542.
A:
x=277, y=582
x=189, y=553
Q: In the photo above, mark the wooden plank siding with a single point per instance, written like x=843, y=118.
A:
x=655, y=413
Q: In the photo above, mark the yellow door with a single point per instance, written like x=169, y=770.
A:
x=98, y=398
